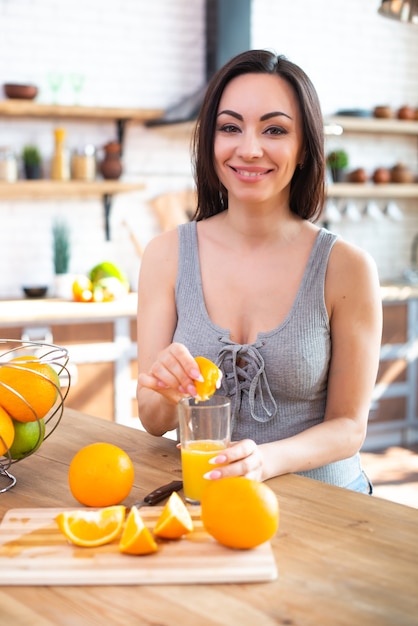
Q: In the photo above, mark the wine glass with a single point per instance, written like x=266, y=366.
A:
x=55, y=83
x=77, y=82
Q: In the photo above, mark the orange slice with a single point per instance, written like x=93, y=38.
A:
x=175, y=520
x=92, y=528
x=136, y=537
x=212, y=376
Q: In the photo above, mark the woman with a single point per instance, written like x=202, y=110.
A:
x=289, y=312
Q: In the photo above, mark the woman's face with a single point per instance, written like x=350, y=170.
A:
x=258, y=138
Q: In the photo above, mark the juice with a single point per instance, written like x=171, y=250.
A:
x=195, y=456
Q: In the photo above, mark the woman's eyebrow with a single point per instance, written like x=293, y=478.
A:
x=231, y=113
x=263, y=118
x=267, y=116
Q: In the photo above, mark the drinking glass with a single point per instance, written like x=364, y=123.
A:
x=205, y=430
x=77, y=82
x=55, y=83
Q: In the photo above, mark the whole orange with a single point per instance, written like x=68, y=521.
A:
x=32, y=388
x=7, y=431
x=101, y=474
x=239, y=512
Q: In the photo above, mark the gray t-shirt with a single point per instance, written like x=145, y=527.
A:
x=278, y=384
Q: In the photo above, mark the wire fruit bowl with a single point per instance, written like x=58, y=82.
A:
x=19, y=358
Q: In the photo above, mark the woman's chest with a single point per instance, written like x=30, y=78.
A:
x=250, y=297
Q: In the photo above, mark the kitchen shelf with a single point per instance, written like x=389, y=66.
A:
x=58, y=189
x=28, y=108
x=35, y=189
x=364, y=190
x=373, y=125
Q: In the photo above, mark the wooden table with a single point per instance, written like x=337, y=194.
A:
x=343, y=558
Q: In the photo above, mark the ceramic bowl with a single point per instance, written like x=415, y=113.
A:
x=35, y=292
x=21, y=92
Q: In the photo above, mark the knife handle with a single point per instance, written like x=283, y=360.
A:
x=163, y=492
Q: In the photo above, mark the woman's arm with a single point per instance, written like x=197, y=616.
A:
x=354, y=304
x=166, y=370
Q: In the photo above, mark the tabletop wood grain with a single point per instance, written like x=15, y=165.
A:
x=343, y=558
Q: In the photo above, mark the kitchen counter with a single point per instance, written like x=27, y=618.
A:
x=38, y=319
x=55, y=311
x=394, y=291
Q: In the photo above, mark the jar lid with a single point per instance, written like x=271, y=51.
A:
x=87, y=150
x=6, y=150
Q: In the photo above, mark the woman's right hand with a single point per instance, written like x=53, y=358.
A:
x=172, y=374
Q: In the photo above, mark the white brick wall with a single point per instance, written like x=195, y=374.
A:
x=357, y=59
x=142, y=54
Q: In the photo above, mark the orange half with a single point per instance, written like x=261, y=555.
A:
x=92, y=528
x=136, y=537
x=212, y=377
x=175, y=520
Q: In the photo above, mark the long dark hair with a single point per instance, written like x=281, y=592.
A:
x=307, y=190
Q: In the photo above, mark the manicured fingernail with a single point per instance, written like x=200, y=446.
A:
x=196, y=375
x=213, y=475
x=218, y=459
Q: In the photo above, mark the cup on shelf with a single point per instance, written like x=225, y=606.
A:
x=332, y=212
x=393, y=211
x=373, y=211
x=352, y=212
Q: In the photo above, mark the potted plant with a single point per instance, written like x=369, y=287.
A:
x=31, y=162
x=337, y=161
x=61, y=259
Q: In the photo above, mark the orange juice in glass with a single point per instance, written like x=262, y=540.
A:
x=204, y=432
x=195, y=463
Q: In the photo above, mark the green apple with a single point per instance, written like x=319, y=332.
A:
x=28, y=438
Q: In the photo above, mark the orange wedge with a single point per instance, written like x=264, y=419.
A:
x=175, y=520
x=212, y=376
x=136, y=537
x=92, y=528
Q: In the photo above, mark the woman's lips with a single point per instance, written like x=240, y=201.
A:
x=252, y=174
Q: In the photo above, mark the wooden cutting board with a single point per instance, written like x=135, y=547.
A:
x=33, y=551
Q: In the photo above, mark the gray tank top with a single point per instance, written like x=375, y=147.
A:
x=278, y=384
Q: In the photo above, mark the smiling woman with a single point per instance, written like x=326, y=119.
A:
x=289, y=313
x=258, y=152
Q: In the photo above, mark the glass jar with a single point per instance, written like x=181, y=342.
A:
x=83, y=163
x=8, y=165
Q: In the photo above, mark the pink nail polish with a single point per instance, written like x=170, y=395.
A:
x=218, y=460
x=213, y=475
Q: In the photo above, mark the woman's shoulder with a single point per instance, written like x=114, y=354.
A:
x=166, y=241
x=346, y=252
x=351, y=268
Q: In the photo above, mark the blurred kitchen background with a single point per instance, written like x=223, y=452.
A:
x=138, y=54
x=156, y=57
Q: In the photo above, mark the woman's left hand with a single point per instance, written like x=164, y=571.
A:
x=242, y=458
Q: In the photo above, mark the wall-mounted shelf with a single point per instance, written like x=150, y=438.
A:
x=29, y=108
x=35, y=189
x=58, y=189
x=358, y=190
x=38, y=189
x=373, y=125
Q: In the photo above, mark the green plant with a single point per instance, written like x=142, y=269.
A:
x=337, y=159
x=31, y=156
x=61, y=247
